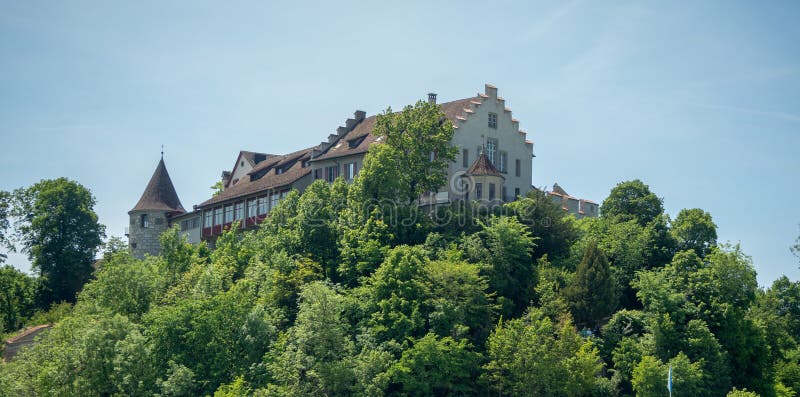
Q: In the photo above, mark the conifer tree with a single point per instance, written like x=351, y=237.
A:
x=592, y=294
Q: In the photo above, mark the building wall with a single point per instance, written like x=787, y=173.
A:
x=340, y=161
x=472, y=134
x=190, y=226
x=145, y=240
x=240, y=171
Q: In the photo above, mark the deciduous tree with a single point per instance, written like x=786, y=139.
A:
x=58, y=229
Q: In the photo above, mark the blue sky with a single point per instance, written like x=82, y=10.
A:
x=701, y=100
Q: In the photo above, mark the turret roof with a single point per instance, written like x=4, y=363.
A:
x=159, y=195
x=482, y=166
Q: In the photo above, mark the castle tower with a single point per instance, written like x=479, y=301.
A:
x=150, y=217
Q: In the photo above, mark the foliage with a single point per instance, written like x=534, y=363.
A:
x=553, y=229
x=534, y=356
x=17, y=298
x=414, y=156
x=632, y=200
x=694, y=229
x=511, y=272
x=58, y=229
x=5, y=206
x=592, y=294
x=332, y=295
x=435, y=367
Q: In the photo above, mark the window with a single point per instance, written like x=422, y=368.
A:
x=274, y=199
x=242, y=164
x=252, y=208
x=318, y=173
x=284, y=194
x=465, y=158
x=144, y=222
x=331, y=173
x=478, y=191
x=262, y=205
x=491, y=191
x=209, y=216
x=195, y=222
x=517, y=167
x=184, y=225
x=505, y=194
x=493, y=120
x=491, y=150
x=516, y=191
x=217, y=216
x=238, y=213
x=350, y=171
x=503, y=166
x=228, y=213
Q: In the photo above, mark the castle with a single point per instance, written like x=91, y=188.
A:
x=493, y=165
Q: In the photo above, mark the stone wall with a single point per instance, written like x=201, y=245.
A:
x=145, y=240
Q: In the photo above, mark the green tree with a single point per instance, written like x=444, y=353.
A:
x=511, y=273
x=400, y=293
x=694, y=229
x=414, y=156
x=592, y=294
x=58, y=229
x=632, y=200
x=217, y=188
x=5, y=207
x=650, y=377
x=551, y=226
x=435, y=367
x=460, y=304
x=533, y=356
x=17, y=298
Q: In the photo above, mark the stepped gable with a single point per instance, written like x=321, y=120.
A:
x=482, y=166
x=159, y=195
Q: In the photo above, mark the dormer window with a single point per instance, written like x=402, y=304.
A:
x=493, y=120
x=353, y=143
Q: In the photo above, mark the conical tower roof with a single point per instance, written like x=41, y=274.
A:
x=482, y=166
x=159, y=195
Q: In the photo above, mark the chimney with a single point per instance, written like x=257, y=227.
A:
x=226, y=178
x=341, y=131
x=491, y=91
x=432, y=98
x=350, y=123
x=360, y=115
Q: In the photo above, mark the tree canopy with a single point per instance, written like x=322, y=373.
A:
x=57, y=227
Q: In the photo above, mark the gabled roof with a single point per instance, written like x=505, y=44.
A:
x=362, y=138
x=291, y=170
x=482, y=166
x=159, y=195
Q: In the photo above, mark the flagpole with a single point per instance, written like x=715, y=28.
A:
x=669, y=380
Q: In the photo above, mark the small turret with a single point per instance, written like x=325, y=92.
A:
x=150, y=217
